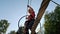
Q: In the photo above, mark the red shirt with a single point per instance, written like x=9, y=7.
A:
x=32, y=15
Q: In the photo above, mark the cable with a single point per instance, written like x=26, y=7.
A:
x=55, y=3
x=29, y=2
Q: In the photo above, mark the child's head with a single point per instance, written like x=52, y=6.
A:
x=30, y=10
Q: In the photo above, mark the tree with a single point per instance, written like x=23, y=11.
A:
x=12, y=32
x=52, y=22
x=41, y=11
x=20, y=30
x=3, y=26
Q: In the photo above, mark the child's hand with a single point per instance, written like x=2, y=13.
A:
x=27, y=5
x=26, y=17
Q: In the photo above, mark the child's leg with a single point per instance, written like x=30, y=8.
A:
x=31, y=24
x=26, y=29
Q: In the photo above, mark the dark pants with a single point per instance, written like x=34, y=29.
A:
x=28, y=25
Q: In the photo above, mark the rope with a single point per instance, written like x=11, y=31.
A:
x=29, y=2
x=55, y=3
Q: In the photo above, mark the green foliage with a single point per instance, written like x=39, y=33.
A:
x=3, y=26
x=52, y=22
x=20, y=30
x=12, y=32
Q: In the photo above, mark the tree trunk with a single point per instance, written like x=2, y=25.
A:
x=42, y=9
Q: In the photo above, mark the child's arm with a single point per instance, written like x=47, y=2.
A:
x=29, y=7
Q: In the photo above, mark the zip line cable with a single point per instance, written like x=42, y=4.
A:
x=55, y=3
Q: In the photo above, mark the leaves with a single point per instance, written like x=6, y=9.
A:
x=3, y=26
x=20, y=30
x=12, y=32
x=52, y=22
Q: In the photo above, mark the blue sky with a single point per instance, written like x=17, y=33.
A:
x=12, y=10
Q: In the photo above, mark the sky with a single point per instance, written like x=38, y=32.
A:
x=13, y=10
